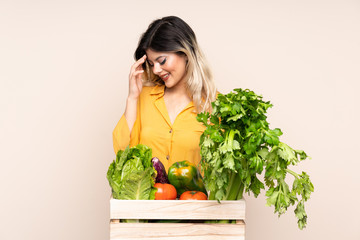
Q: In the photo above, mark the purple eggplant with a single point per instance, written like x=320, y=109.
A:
x=161, y=176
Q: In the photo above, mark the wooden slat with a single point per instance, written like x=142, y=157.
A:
x=177, y=209
x=177, y=231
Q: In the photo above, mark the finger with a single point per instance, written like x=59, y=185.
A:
x=137, y=73
x=139, y=84
x=139, y=62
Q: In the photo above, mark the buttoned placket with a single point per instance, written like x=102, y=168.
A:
x=161, y=107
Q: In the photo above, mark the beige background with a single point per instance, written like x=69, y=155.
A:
x=64, y=68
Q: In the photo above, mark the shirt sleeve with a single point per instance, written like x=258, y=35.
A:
x=122, y=136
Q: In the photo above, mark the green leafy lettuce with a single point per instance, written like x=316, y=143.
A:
x=131, y=175
x=238, y=145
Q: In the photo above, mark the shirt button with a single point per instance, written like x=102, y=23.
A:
x=170, y=131
x=167, y=157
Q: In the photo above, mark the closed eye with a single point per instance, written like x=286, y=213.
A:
x=163, y=62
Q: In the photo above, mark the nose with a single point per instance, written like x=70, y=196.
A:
x=157, y=69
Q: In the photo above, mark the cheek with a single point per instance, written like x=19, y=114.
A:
x=178, y=66
x=175, y=64
x=170, y=65
x=182, y=67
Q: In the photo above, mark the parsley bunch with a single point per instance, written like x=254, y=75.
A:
x=238, y=145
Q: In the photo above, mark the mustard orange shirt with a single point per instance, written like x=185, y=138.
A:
x=169, y=142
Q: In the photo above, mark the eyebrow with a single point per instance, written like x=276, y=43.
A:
x=157, y=58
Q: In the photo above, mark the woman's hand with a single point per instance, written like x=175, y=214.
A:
x=135, y=78
x=135, y=87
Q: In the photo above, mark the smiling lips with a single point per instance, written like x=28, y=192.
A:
x=165, y=76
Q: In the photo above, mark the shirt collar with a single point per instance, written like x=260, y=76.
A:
x=158, y=89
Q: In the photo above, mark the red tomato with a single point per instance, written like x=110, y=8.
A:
x=193, y=195
x=165, y=191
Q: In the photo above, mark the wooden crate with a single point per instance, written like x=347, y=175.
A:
x=180, y=210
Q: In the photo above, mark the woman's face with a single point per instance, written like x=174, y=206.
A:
x=170, y=67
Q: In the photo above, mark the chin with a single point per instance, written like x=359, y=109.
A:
x=168, y=85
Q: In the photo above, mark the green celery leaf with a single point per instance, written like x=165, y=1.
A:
x=207, y=142
x=272, y=195
x=235, y=117
x=228, y=161
x=220, y=195
x=203, y=118
x=301, y=215
x=256, y=186
x=263, y=152
x=238, y=140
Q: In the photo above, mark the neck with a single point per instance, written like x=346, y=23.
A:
x=177, y=91
x=178, y=95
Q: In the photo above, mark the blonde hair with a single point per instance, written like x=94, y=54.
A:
x=200, y=82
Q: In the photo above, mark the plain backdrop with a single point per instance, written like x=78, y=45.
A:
x=64, y=69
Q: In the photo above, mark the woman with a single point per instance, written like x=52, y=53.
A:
x=169, y=84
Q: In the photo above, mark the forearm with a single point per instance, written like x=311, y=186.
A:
x=130, y=111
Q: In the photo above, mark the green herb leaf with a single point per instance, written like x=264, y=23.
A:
x=238, y=145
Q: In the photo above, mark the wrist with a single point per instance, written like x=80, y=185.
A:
x=131, y=99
